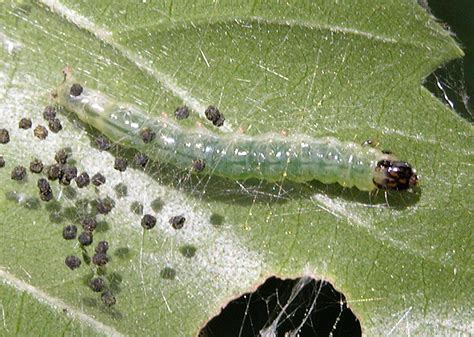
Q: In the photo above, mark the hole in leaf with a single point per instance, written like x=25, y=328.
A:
x=289, y=307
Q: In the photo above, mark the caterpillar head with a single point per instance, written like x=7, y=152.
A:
x=391, y=174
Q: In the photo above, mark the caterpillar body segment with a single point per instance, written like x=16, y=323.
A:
x=271, y=157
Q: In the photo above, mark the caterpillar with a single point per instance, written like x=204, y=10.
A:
x=270, y=156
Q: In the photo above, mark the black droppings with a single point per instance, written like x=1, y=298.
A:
x=136, y=208
x=120, y=164
x=89, y=224
x=18, y=173
x=53, y=172
x=25, y=123
x=61, y=156
x=82, y=180
x=148, y=221
x=40, y=132
x=69, y=173
x=168, y=273
x=69, y=232
x=216, y=219
x=98, y=179
x=214, y=115
x=108, y=298
x=4, y=136
x=103, y=143
x=187, y=251
x=49, y=113
x=2, y=162
x=46, y=194
x=157, y=205
x=36, y=166
x=147, y=135
x=199, y=165
x=100, y=259
x=55, y=125
x=141, y=159
x=102, y=247
x=97, y=284
x=73, y=262
x=76, y=90
x=177, y=221
x=104, y=206
x=121, y=190
x=85, y=238
x=181, y=112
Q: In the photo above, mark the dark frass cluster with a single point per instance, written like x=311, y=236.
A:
x=199, y=165
x=141, y=159
x=102, y=247
x=148, y=221
x=97, y=284
x=85, y=238
x=98, y=179
x=45, y=191
x=55, y=125
x=177, y=222
x=40, y=132
x=100, y=259
x=69, y=232
x=61, y=156
x=18, y=173
x=73, y=262
x=102, y=143
x=76, y=90
x=214, y=115
x=69, y=173
x=53, y=172
x=147, y=135
x=25, y=123
x=120, y=164
x=36, y=166
x=64, y=172
x=82, y=180
x=49, y=115
x=181, y=112
x=89, y=224
x=4, y=136
x=105, y=205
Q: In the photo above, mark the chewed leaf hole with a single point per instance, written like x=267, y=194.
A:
x=289, y=307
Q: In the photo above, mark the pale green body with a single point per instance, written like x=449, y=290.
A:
x=271, y=157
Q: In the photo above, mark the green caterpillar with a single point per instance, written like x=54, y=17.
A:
x=271, y=157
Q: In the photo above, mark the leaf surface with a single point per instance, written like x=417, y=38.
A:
x=352, y=71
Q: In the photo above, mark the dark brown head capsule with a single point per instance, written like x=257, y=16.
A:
x=394, y=175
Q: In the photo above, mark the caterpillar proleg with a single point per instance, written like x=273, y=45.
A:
x=271, y=156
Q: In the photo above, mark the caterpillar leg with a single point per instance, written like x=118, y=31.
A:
x=386, y=197
x=67, y=72
x=375, y=144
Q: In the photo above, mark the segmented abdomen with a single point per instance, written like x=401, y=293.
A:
x=272, y=157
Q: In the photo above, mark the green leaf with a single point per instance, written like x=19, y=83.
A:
x=348, y=70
